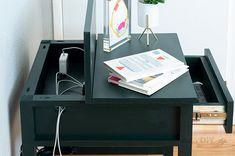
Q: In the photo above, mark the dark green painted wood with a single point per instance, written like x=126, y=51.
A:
x=40, y=108
x=36, y=69
x=108, y=123
x=90, y=48
x=198, y=69
x=27, y=126
x=39, y=104
x=185, y=145
x=205, y=70
x=40, y=86
x=180, y=91
x=166, y=151
x=223, y=91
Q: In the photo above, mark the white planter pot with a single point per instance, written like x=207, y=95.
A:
x=152, y=11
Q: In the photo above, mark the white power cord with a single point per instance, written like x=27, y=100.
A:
x=57, y=134
x=75, y=81
x=57, y=137
x=72, y=48
x=75, y=86
x=197, y=82
x=71, y=81
x=61, y=109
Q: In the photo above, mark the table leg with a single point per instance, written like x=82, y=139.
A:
x=185, y=149
x=167, y=151
x=27, y=125
x=185, y=146
x=28, y=150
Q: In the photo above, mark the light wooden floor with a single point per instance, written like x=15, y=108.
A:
x=213, y=141
x=210, y=141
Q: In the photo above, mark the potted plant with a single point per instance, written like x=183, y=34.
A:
x=148, y=15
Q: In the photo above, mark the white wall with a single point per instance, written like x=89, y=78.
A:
x=21, y=30
x=74, y=19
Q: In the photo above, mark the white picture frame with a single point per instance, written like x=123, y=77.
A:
x=117, y=28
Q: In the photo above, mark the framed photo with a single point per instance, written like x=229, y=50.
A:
x=117, y=17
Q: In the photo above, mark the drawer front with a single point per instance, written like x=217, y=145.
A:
x=215, y=104
x=109, y=123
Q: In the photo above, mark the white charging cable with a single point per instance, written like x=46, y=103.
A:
x=61, y=109
x=75, y=86
x=73, y=80
x=72, y=48
x=57, y=137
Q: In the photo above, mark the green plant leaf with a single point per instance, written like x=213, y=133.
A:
x=154, y=1
x=161, y=1
x=147, y=1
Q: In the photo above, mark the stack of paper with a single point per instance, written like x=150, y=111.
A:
x=145, y=72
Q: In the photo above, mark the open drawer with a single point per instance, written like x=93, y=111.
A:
x=39, y=102
x=215, y=104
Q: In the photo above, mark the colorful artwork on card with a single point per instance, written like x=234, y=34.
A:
x=119, y=21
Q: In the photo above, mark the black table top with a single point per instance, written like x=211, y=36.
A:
x=180, y=91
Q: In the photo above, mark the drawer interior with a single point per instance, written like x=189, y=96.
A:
x=46, y=83
x=204, y=86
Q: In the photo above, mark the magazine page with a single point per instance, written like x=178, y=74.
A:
x=157, y=82
x=142, y=65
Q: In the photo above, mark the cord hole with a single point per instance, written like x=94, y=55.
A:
x=44, y=47
x=57, y=108
x=28, y=89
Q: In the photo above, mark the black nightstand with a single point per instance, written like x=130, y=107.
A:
x=110, y=119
